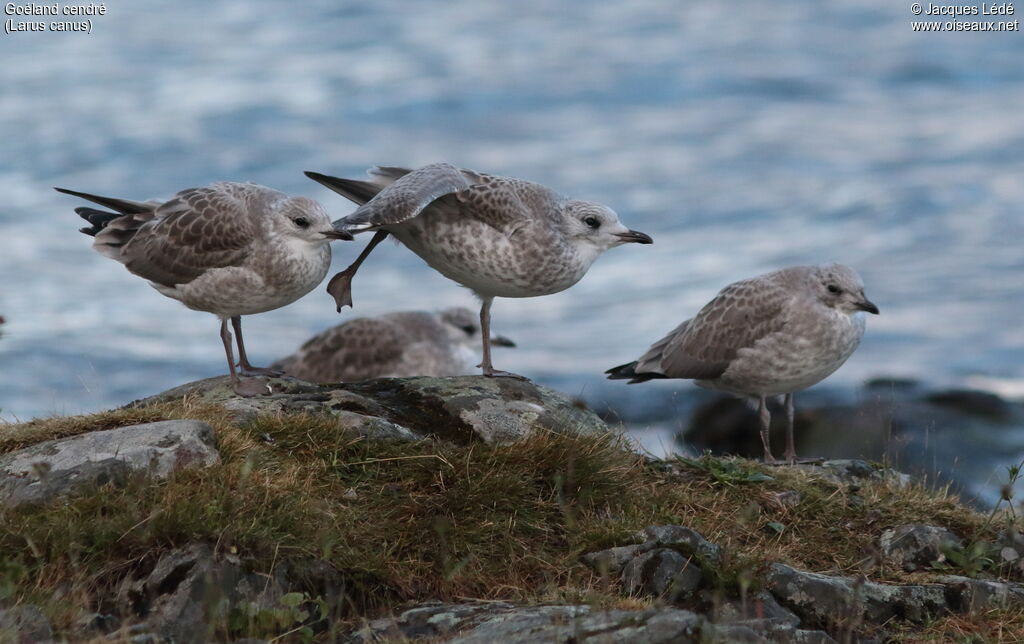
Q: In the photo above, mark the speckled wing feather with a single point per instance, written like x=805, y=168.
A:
x=408, y=195
x=703, y=346
x=199, y=229
x=508, y=204
x=351, y=351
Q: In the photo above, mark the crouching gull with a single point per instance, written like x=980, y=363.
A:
x=393, y=345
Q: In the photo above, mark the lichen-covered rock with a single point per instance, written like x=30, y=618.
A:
x=502, y=622
x=462, y=409
x=972, y=595
x=53, y=468
x=853, y=471
x=825, y=599
x=192, y=591
x=662, y=572
x=580, y=624
x=685, y=540
x=915, y=545
x=24, y=624
x=762, y=606
x=612, y=560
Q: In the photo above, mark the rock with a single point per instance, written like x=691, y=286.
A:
x=611, y=561
x=661, y=572
x=503, y=622
x=854, y=471
x=54, y=468
x=766, y=618
x=191, y=590
x=787, y=499
x=24, y=624
x=462, y=409
x=915, y=545
x=430, y=620
x=685, y=540
x=974, y=595
x=972, y=402
x=760, y=607
x=99, y=622
x=581, y=625
x=823, y=599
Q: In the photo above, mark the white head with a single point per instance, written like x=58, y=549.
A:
x=840, y=288
x=304, y=219
x=463, y=327
x=597, y=226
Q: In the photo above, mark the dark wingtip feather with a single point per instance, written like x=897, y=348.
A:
x=628, y=372
x=622, y=371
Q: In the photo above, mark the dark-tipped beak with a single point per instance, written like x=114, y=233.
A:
x=867, y=305
x=635, y=236
x=501, y=341
x=338, y=234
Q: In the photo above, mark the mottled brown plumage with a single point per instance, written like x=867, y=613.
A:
x=499, y=236
x=230, y=249
x=766, y=336
x=394, y=345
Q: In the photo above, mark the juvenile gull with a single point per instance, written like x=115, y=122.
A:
x=499, y=236
x=230, y=249
x=765, y=336
x=394, y=345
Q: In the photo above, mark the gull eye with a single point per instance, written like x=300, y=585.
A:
x=469, y=329
x=592, y=221
x=301, y=222
x=832, y=288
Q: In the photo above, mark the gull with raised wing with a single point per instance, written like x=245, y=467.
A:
x=765, y=336
x=230, y=249
x=498, y=236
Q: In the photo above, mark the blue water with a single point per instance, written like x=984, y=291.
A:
x=743, y=136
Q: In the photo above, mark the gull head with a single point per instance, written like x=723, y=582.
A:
x=596, y=225
x=463, y=327
x=304, y=219
x=841, y=288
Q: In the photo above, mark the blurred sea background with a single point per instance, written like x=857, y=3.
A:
x=742, y=136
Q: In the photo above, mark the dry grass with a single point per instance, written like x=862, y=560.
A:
x=996, y=626
x=430, y=520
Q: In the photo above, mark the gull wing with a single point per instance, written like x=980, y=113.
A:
x=197, y=230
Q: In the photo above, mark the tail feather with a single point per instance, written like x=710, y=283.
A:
x=628, y=371
x=123, y=206
x=111, y=230
x=388, y=172
x=98, y=219
x=352, y=189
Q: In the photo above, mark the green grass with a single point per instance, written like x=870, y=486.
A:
x=431, y=520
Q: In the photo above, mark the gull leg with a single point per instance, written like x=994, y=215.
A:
x=485, y=330
x=790, y=442
x=766, y=421
x=245, y=368
x=791, y=456
x=340, y=286
x=246, y=388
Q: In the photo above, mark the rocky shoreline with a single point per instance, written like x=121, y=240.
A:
x=664, y=582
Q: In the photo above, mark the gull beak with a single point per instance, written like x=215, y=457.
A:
x=635, y=236
x=501, y=341
x=338, y=234
x=867, y=305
